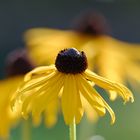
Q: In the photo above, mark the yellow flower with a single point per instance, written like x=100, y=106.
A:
x=90, y=37
x=69, y=82
x=17, y=65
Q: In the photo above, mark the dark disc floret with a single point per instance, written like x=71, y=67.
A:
x=71, y=61
x=18, y=63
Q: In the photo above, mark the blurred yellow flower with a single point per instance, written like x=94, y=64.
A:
x=17, y=65
x=70, y=83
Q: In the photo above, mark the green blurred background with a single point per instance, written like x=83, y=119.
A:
x=124, y=19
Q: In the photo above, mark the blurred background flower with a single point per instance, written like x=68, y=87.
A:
x=123, y=16
x=17, y=64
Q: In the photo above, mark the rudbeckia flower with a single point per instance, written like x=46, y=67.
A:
x=18, y=63
x=90, y=35
x=16, y=66
x=68, y=81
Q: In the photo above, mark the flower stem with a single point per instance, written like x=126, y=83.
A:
x=72, y=128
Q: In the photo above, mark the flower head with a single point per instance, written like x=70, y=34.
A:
x=71, y=61
x=68, y=83
x=17, y=65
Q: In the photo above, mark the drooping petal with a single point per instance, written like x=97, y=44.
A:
x=92, y=99
x=90, y=112
x=79, y=107
x=71, y=102
x=29, y=85
x=97, y=96
x=124, y=92
x=27, y=104
x=28, y=93
x=52, y=90
x=39, y=71
x=67, y=100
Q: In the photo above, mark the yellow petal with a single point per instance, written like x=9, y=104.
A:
x=95, y=94
x=71, y=102
x=78, y=105
x=88, y=94
x=43, y=70
x=90, y=112
x=51, y=93
x=124, y=92
x=34, y=83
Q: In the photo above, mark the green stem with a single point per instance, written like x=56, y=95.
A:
x=26, y=130
x=72, y=128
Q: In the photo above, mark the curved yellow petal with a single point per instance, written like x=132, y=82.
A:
x=92, y=99
x=52, y=90
x=124, y=92
x=95, y=94
x=42, y=70
x=90, y=112
x=33, y=83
